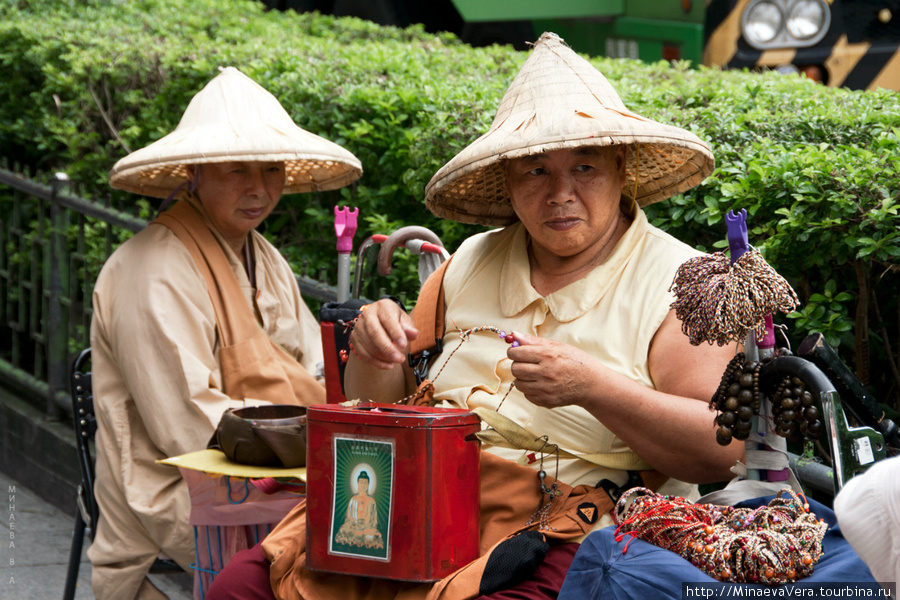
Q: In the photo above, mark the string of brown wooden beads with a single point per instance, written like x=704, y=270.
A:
x=736, y=400
x=794, y=410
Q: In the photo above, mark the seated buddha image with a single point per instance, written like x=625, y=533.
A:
x=360, y=527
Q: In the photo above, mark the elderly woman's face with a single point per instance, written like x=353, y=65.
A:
x=237, y=196
x=568, y=199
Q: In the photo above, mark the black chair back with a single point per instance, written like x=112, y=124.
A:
x=85, y=429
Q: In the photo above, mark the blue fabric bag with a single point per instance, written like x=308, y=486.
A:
x=600, y=570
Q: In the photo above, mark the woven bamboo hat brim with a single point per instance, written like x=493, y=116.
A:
x=234, y=119
x=558, y=100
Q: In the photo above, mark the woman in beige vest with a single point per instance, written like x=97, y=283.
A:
x=197, y=314
x=584, y=351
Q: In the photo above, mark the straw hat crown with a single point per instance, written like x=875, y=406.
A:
x=559, y=100
x=234, y=119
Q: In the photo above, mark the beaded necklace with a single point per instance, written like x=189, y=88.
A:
x=509, y=338
x=773, y=544
x=465, y=335
x=541, y=515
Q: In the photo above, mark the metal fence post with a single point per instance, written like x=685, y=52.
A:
x=57, y=328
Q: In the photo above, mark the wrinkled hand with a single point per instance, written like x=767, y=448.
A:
x=382, y=335
x=551, y=373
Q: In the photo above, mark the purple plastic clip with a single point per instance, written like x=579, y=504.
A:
x=345, y=228
x=737, y=234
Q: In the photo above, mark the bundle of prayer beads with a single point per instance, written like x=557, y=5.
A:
x=774, y=544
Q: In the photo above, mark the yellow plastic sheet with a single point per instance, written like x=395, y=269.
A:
x=215, y=461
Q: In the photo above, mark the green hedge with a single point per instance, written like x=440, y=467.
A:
x=816, y=168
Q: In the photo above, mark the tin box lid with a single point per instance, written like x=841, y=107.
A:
x=392, y=415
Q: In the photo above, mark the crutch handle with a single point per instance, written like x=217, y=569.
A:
x=345, y=228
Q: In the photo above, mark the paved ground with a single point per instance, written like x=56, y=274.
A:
x=35, y=539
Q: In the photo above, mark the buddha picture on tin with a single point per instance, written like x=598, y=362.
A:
x=360, y=526
x=362, y=497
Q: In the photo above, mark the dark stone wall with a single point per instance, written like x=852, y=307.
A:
x=38, y=453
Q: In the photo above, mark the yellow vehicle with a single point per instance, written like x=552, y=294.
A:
x=844, y=43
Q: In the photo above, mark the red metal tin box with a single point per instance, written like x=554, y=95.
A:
x=392, y=491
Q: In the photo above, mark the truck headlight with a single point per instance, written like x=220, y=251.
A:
x=762, y=22
x=769, y=24
x=807, y=19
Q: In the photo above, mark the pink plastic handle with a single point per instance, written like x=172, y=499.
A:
x=345, y=228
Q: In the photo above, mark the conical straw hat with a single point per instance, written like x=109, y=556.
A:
x=558, y=100
x=234, y=119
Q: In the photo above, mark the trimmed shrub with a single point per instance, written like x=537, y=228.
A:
x=816, y=168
